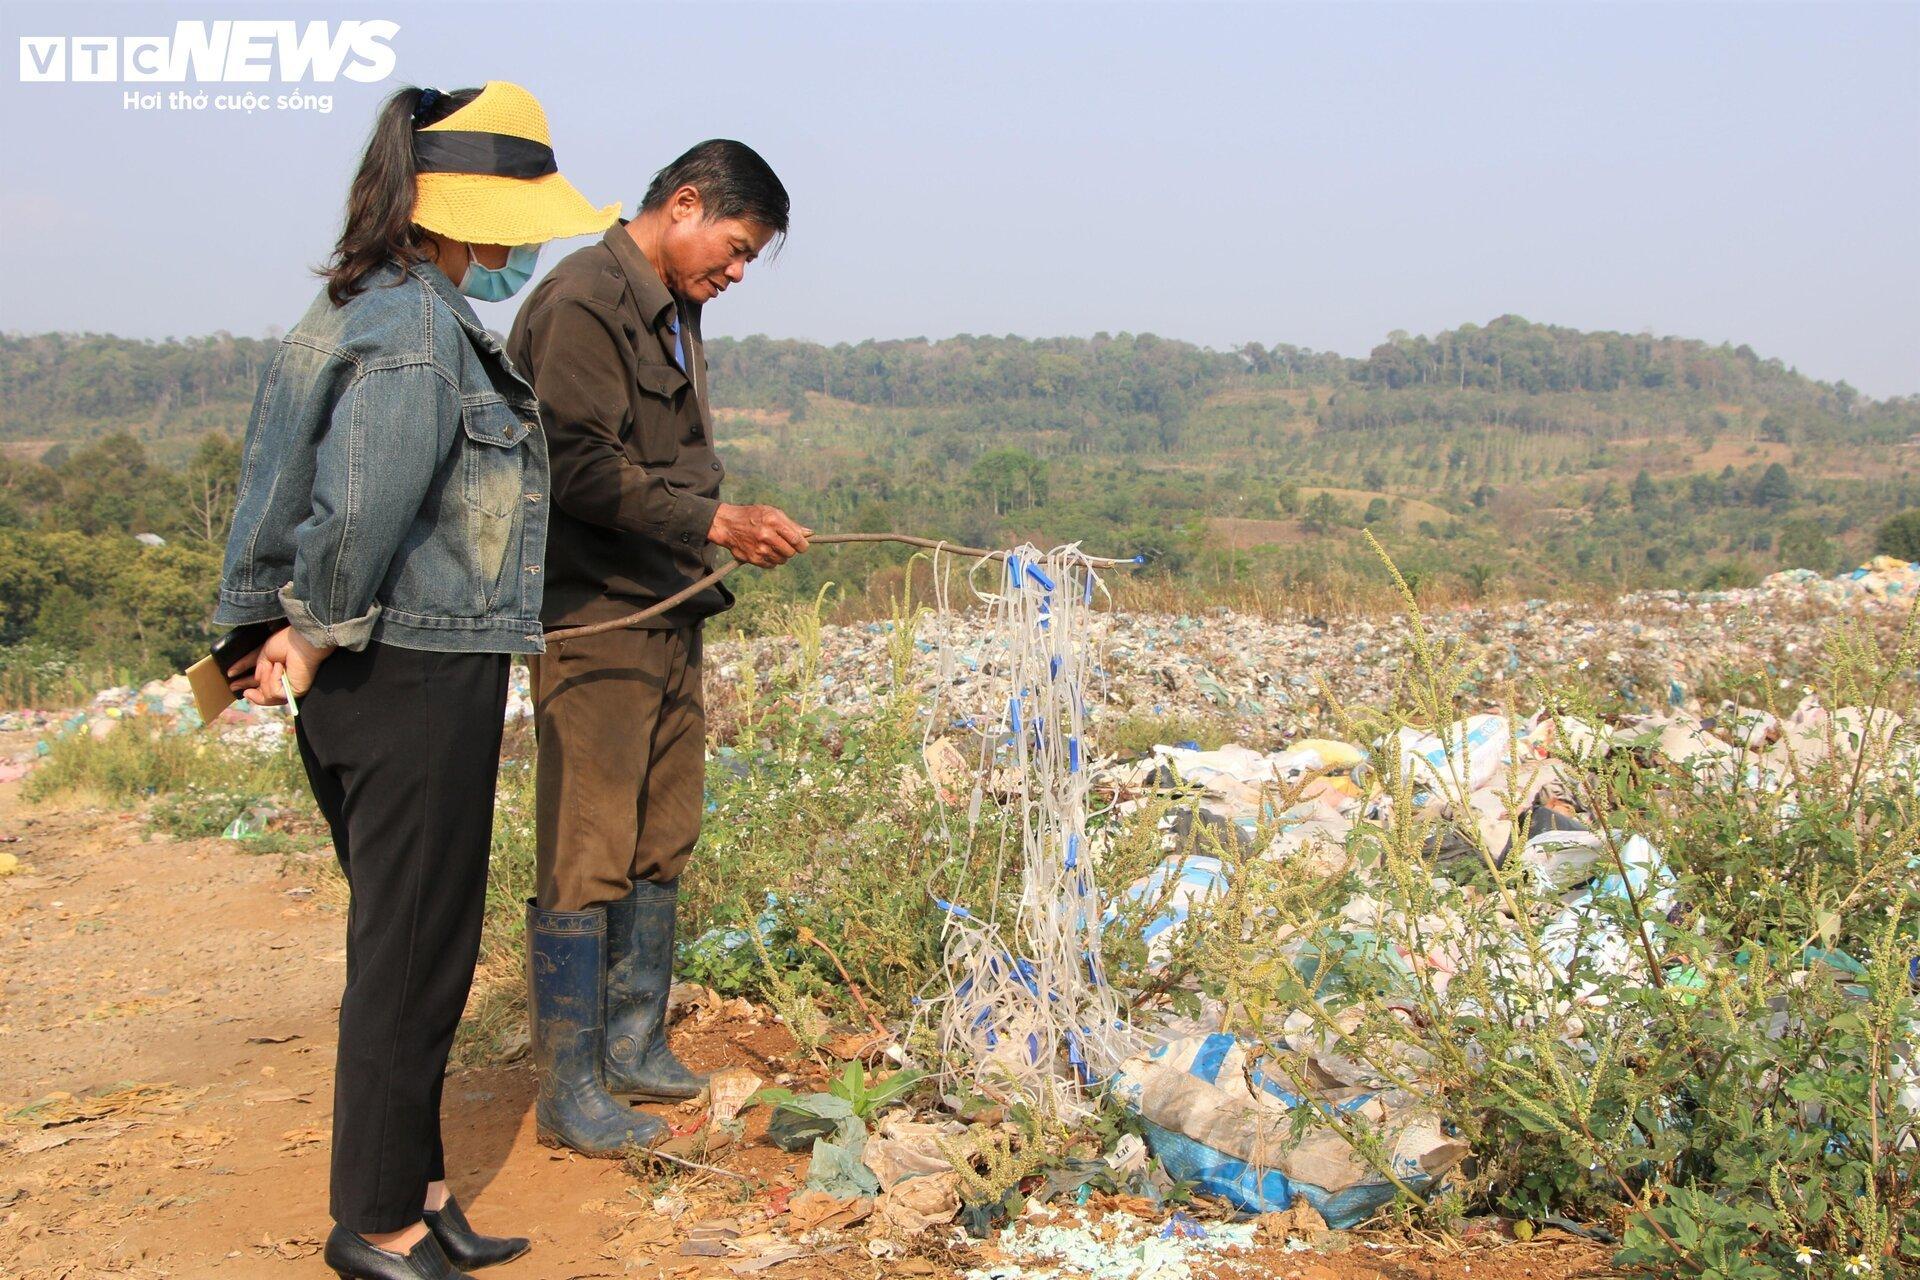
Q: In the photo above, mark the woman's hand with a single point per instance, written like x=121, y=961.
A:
x=286, y=661
x=244, y=673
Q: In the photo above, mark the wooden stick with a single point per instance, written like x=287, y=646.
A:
x=693, y=1164
x=808, y=936
x=822, y=539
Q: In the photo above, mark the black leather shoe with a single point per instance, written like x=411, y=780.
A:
x=467, y=1247
x=352, y=1258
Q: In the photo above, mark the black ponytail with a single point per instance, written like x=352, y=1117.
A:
x=379, y=227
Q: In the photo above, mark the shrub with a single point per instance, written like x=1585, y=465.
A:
x=141, y=758
x=1900, y=537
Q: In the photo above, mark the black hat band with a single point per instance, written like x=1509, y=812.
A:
x=499, y=155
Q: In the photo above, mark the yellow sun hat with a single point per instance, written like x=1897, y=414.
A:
x=487, y=175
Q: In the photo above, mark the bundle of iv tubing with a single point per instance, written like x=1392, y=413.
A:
x=935, y=545
x=1027, y=1013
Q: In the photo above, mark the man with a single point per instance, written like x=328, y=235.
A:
x=611, y=341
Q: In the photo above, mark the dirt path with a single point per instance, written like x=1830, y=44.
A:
x=171, y=1004
x=166, y=1046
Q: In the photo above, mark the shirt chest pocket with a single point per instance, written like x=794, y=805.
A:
x=657, y=409
x=496, y=453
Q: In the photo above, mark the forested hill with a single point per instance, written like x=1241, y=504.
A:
x=67, y=386
x=1513, y=454
x=1167, y=379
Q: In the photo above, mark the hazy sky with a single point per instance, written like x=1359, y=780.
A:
x=1318, y=175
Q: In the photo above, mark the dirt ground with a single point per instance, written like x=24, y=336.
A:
x=166, y=1044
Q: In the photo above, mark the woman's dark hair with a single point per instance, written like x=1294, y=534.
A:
x=733, y=182
x=379, y=227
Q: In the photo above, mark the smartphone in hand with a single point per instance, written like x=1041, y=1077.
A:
x=240, y=642
x=212, y=682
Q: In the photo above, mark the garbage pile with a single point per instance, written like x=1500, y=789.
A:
x=1273, y=677
x=1224, y=1113
x=1883, y=580
x=1270, y=674
x=169, y=705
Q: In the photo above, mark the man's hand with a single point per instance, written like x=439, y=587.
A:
x=287, y=657
x=760, y=535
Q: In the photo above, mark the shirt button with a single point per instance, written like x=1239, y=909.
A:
x=686, y=537
x=716, y=466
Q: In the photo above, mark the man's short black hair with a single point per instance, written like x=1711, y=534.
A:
x=733, y=182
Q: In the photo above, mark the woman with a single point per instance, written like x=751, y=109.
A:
x=392, y=509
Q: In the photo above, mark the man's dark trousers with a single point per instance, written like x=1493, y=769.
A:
x=621, y=724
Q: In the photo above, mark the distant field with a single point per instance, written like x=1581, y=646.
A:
x=1412, y=512
x=1741, y=453
x=1240, y=535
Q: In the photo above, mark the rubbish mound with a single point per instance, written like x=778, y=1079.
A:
x=1270, y=1121
x=1273, y=679
x=1883, y=579
x=169, y=706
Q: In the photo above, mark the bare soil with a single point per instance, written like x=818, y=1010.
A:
x=166, y=1046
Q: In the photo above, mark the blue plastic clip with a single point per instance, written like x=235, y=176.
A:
x=1073, y=756
x=953, y=908
x=1089, y=595
x=1073, y=850
x=1013, y=714
x=1079, y=1061
x=1013, y=570
x=1053, y=667
x=1033, y=571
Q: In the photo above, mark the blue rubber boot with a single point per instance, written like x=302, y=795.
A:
x=567, y=953
x=639, y=975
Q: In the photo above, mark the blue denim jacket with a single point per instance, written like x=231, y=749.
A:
x=394, y=480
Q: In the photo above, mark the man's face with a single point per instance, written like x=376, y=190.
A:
x=705, y=256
